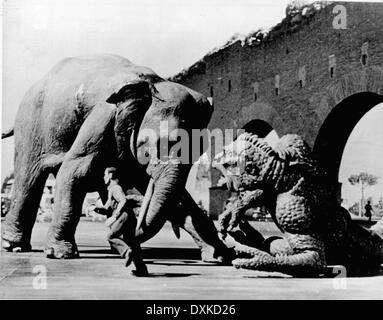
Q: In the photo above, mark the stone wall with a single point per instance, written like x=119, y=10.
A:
x=314, y=65
x=299, y=50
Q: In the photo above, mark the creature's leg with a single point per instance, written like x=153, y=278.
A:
x=277, y=246
x=82, y=163
x=363, y=251
x=17, y=226
x=308, y=257
x=294, y=216
x=225, y=217
x=247, y=235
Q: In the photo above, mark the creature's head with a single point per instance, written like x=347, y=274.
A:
x=280, y=168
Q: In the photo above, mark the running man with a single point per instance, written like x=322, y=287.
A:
x=122, y=224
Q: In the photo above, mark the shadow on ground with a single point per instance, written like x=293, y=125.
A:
x=171, y=275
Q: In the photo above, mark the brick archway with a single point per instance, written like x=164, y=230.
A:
x=345, y=103
x=261, y=111
x=365, y=80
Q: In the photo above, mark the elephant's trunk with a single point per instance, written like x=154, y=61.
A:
x=167, y=178
x=145, y=203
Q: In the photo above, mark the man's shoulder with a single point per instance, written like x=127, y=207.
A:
x=115, y=187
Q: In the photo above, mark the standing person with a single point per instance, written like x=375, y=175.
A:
x=122, y=224
x=368, y=209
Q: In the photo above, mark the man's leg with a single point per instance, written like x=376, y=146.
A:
x=130, y=239
x=115, y=234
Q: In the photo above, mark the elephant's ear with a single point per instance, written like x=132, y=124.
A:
x=132, y=90
x=132, y=101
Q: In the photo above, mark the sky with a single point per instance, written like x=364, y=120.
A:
x=364, y=153
x=166, y=35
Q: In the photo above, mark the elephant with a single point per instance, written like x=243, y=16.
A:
x=91, y=112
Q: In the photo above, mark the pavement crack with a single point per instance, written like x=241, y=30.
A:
x=8, y=274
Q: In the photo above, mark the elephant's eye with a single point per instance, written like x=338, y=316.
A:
x=183, y=123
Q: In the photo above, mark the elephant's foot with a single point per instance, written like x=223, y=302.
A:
x=61, y=250
x=13, y=239
x=213, y=255
x=15, y=246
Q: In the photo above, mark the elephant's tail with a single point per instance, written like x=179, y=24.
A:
x=7, y=134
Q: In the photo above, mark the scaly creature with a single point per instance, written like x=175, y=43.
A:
x=318, y=231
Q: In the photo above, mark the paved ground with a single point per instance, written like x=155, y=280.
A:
x=176, y=273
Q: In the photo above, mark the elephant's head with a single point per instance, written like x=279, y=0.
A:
x=153, y=124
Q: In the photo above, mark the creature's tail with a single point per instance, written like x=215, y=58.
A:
x=377, y=232
x=7, y=134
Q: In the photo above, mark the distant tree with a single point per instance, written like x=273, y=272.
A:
x=354, y=209
x=363, y=180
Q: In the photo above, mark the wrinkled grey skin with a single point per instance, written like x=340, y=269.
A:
x=86, y=114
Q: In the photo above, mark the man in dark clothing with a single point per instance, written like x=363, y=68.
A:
x=122, y=224
x=368, y=209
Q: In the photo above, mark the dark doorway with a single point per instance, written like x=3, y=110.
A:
x=259, y=127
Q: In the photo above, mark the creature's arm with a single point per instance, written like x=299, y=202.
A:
x=231, y=180
x=249, y=182
x=235, y=210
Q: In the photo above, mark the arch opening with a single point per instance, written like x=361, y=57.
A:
x=263, y=130
x=259, y=127
x=336, y=130
x=361, y=168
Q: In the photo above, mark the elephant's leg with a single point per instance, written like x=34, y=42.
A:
x=202, y=229
x=70, y=193
x=79, y=172
x=151, y=229
x=26, y=196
